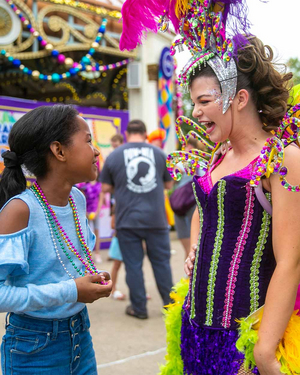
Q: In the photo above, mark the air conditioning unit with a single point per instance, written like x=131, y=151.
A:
x=134, y=75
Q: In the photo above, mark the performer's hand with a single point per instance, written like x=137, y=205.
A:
x=267, y=364
x=190, y=260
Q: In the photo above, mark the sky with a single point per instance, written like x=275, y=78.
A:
x=276, y=23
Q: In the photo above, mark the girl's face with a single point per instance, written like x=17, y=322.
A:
x=81, y=155
x=207, y=98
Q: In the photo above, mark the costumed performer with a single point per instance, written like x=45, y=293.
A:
x=244, y=257
x=46, y=270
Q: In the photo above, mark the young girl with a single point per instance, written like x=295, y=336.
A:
x=245, y=258
x=46, y=271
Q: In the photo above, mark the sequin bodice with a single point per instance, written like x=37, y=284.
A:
x=234, y=258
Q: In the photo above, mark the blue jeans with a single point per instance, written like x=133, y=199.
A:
x=34, y=346
x=158, y=251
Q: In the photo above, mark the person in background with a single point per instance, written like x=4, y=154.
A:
x=114, y=249
x=137, y=173
x=116, y=255
x=116, y=140
x=183, y=222
x=157, y=138
x=92, y=192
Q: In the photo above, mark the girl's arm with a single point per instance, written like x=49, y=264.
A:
x=281, y=295
x=195, y=227
x=14, y=248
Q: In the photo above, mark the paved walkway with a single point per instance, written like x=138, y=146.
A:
x=125, y=345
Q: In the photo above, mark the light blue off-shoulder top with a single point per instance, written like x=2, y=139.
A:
x=32, y=279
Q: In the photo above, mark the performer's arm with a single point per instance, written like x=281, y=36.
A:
x=195, y=227
x=283, y=286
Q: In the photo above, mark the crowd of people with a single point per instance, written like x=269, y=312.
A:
x=239, y=232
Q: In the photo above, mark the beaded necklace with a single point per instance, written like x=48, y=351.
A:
x=56, y=230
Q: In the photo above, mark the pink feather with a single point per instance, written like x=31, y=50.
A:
x=140, y=17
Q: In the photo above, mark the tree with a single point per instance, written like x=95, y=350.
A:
x=293, y=65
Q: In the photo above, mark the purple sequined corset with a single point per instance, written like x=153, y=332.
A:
x=234, y=259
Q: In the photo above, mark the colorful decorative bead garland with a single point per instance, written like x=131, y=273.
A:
x=91, y=8
x=258, y=253
x=193, y=159
x=216, y=254
x=272, y=154
x=52, y=232
x=194, y=276
x=237, y=256
x=60, y=233
x=85, y=63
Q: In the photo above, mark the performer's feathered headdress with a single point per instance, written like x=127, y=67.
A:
x=201, y=24
x=213, y=31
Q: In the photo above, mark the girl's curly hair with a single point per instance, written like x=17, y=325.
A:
x=268, y=88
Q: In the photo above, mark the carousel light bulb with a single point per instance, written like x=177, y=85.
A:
x=69, y=62
x=49, y=47
x=95, y=45
x=36, y=34
x=35, y=75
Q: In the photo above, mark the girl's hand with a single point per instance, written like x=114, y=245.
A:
x=190, y=260
x=267, y=364
x=89, y=288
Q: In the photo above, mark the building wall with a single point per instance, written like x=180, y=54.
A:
x=143, y=102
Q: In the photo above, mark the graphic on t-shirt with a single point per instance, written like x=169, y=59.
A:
x=140, y=169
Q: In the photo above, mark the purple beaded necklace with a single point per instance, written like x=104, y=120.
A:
x=57, y=228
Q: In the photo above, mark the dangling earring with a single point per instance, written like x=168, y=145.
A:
x=224, y=148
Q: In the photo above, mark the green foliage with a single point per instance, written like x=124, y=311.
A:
x=187, y=105
x=293, y=65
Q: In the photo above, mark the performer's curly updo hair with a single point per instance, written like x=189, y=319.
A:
x=268, y=88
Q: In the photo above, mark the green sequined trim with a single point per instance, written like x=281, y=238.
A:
x=216, y=254
x=193, y=313
x=259, y=249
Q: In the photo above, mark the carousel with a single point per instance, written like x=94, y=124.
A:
x=63, y=51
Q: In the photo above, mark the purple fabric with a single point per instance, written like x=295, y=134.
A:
x=92, y=193
x=207, y=351
x=234, y=205
x=211, y=350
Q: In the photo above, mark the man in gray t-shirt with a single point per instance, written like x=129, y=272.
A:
x=136, y=172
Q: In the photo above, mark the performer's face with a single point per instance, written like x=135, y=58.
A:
x=208, y=102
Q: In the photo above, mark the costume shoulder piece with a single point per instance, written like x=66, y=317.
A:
x=271, y=159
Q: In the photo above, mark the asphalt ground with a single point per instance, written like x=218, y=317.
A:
x=126, y=345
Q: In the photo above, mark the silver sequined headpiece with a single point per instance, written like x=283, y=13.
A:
x=227, y=76
x=203, y=32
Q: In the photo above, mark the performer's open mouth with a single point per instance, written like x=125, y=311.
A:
x=210, y=126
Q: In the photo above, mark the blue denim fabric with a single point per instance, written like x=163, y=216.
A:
x=33, y=346
x=158, y=251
